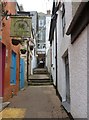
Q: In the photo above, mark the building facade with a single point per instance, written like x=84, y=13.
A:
x=11, y=56
x=41, y=37
x=34, y=15
x=2, y=56
x=68, y=38
x=47, y=59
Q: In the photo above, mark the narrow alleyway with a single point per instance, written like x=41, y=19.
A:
x=43, y=59
x=35, y=102
x=38, y=100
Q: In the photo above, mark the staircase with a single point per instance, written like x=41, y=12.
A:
x=40, y=71
x=40, y=77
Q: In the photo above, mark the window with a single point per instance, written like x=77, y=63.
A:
x=38, y=45
x=40, y=36
x=41, y=23
x=44, y=46
x=63, y=20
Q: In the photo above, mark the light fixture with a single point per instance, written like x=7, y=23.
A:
x=7, y=17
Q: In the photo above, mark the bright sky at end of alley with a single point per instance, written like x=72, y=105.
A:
x=36, y=5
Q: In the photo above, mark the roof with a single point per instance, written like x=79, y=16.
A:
x=53, y=21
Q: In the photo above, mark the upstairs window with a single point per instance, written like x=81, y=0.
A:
x=41, y=23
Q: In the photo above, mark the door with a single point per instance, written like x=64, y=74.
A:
x=13, y=68
x=2, y=67
x=22, y=72
x=67, y=79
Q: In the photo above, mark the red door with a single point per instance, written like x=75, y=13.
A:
x=2, y=67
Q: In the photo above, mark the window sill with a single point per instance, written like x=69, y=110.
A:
x=12, y=84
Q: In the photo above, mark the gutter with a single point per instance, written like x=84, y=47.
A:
x=77, y=15
x=79, y=21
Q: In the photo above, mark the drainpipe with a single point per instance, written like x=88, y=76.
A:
x=56, y=57
x=27, y=61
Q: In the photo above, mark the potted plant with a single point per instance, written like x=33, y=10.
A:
x=23, y=51
x=31, y=47
x=15, y=42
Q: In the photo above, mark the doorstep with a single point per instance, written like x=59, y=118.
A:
x=3, y=105
x=66, y=106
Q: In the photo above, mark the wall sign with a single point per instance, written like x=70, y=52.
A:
x=20, y=26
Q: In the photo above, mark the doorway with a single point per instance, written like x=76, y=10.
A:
x=67, y=79
x=13, y=68
x=2, y=67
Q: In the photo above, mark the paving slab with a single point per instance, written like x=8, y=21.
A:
x=35, y=102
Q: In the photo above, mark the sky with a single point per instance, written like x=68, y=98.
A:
x=36, y=5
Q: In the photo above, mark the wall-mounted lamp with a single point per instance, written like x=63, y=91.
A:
x=5, y=13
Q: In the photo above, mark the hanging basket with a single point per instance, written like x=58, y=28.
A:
x=23, y=51
x=15, y=42
x=31, y=47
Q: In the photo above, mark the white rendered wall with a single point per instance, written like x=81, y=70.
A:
x=34, y=63
x=48, y=60
x=48, y=19
x=63, y=45
x=78, y=76
x=53, y=68
x=34, y=60
x=77, y=53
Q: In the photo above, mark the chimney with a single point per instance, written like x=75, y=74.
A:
x=21, y=7
x=48, y=12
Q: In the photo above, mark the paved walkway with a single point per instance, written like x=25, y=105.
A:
x=35, y=102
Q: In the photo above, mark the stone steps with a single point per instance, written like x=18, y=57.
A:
x=40, y=77
x=40, y=71
x=40, y=81
x=38, y=84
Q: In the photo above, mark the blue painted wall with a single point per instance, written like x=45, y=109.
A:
x=22, y=72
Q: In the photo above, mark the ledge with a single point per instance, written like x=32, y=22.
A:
x=79, y=22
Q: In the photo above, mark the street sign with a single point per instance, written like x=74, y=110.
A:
x=20, y=26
